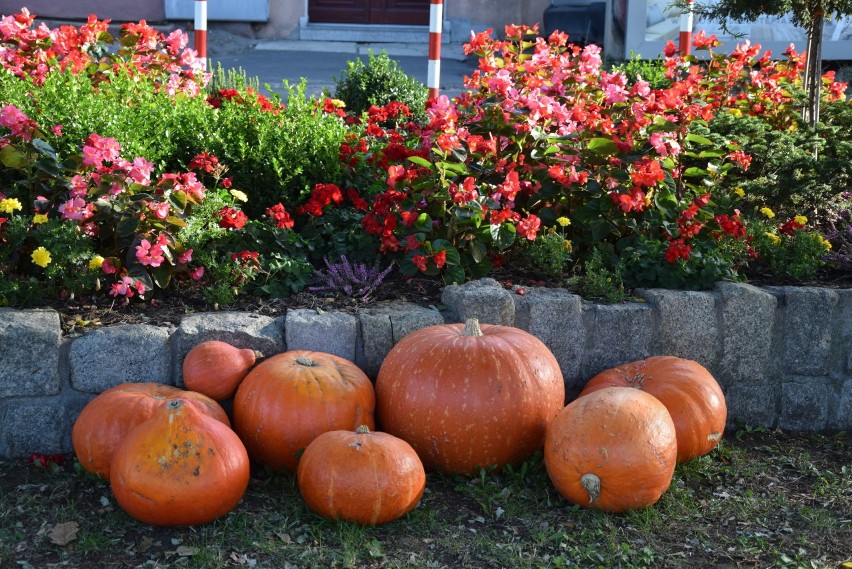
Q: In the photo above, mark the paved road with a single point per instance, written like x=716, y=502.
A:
x=273, y=66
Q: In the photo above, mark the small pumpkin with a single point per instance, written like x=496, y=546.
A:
x=690, y=393
x=216, y=368
x=108, y=418
x=179, y=468
x=288, y=400
x=366, y=477
x=467, y=396
x=614, y=450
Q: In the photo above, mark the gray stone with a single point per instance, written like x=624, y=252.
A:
x=842, y=420
x=752, y=404
x=29, y=352
x=844, y=325
x=804, y=403
x=329, y=332
x=687, y=324
x=34, y=426
x=107, y=357
x=554, y=316
x=483, y=299
x=257, y=332
x=748, y=316
x=383, y=326
x=616, y=334
x=807, y=329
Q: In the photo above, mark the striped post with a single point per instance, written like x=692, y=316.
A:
x=433, y=76
x=686, y=31
x=201, y=30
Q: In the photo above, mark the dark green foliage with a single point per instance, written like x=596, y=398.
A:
x=378, y=82
x=650, y=70
x=792, y=172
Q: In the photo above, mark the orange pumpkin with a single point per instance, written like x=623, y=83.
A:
x=216, y=368
x=179, y=468
x=285, y=402
x=363, y=477
x=690, y=393
x=108, y=418
x=469, y=396
x=614, y=450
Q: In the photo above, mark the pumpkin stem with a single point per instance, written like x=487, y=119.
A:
x=592, y=484
x=471, y=327
x=174, y=404
x=305, y=361
x=363, y=430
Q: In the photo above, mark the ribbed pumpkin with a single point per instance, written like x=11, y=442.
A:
x=614, y=450
x=690, y=393
x=467, y=396
x=286, y=401
x=108, y=418
x=179, y=468
x=364, y=477
x=216, y=368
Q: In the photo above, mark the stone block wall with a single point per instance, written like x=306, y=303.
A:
x=783, y=355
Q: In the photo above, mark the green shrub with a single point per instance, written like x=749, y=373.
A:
x=548, y=255
x=378, y=83
x=651, y=70
x=792, y=255
x=598, y=282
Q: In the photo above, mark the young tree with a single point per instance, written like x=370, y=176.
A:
x=809, y=14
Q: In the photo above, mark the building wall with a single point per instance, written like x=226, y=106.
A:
x=118, y=10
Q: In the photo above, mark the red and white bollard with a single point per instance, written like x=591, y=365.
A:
x=686, y=31
x=201, y=30
x=433, y=76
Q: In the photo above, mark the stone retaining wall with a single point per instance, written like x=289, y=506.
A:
x=781, y=354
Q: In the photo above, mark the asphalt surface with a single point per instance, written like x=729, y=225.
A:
x=319, y=68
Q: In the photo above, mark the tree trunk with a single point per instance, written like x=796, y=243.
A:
x=813, y=70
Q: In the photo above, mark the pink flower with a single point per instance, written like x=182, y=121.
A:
x=160, y=210
x=75, y=208
x=97, y=150
x=185, y=257
x=197, y=273
x=529, y=227
x=150, y=255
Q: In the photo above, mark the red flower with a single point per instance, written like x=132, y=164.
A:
x=440, y=259
x=204, y=161
x=419, y=262
x=280, y=216
x=678, y=249
x=231, y=218
x=358, y=202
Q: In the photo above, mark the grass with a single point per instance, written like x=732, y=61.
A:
x=762, y=499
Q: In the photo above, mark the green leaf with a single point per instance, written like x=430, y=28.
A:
x=699, y=140
x=601, y=228
x=603, y=146
x=420, y=161
x=503, y=235
x=126, y=227
x=454, y=274
x=477, y=250
x=695, y=172
x=424, y=222
x=11, y=157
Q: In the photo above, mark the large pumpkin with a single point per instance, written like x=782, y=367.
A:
x=108, y=418
x=285, y=402
x=690, y=393
x=614, y=450
x=364, y=477
x=179, y=468
x=469, y=396
x=216, y=368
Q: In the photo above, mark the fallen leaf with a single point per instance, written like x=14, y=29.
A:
x=64, y=533
x=186, y=550
x=145, y=544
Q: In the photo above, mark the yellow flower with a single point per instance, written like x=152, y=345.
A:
x=774, y=238
x=39, y=218
x=739, y=191
x=338, y=103
x=563, y=221
x=568, y=246
x=734, y=112
x=825, y=243
x=239, y=195
x=801, y=220
x=767, y=212
x=41, y=257
x=96, y=262
x=9, y=205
